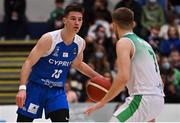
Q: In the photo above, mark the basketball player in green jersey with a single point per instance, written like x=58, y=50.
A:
x=138, y=70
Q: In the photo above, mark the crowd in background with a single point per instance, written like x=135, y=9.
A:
x=157, y=21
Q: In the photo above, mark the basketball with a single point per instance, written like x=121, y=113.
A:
x=97, y=88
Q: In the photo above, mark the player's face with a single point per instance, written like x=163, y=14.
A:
x=73, y=21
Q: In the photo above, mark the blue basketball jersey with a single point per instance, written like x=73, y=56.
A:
x=51, y=70
x=54, y=66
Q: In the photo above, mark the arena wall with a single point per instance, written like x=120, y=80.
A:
x=170, y=113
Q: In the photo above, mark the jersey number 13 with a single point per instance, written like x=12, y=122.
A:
x=56, y=73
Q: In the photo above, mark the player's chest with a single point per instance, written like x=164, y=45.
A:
x=65, y=53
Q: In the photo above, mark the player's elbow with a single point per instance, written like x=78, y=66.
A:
x=124, y=78
x=77, y=65
x=28, y=62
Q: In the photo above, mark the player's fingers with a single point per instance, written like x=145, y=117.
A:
x=22, y=100
x=18, y=100
x=88, y=111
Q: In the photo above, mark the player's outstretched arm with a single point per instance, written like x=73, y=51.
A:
x=42, y=46
x=123, y=49
x=83, y=67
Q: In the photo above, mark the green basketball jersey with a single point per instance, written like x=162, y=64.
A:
x=145, y=76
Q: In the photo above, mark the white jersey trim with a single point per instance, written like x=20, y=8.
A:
x=56, y=38
x=132, y=45
x=80, y=42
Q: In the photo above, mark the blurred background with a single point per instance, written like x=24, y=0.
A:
x=22, y=22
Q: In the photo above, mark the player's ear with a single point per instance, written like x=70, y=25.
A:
x=134, y=24
x=113, y=26
x=64, y=20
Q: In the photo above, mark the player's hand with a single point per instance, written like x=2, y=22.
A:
x=20, y=98
x=93, y=108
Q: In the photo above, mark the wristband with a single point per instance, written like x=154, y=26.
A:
x=22, y=87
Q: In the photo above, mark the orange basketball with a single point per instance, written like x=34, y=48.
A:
x=97, y=88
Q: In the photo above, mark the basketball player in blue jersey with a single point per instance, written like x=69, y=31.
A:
x=44, y=73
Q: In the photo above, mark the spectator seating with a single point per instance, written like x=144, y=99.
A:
x=12, y=55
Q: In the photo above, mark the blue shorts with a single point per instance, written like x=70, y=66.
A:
x=39, y=97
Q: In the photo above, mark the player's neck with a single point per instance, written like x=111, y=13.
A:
x=122, y=32
x=67, y=36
